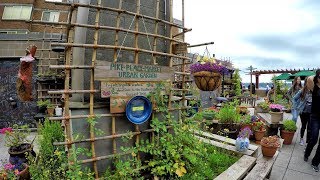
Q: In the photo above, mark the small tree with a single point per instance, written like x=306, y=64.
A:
x=237, y=83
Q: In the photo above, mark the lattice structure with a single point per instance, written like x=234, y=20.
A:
x=163, y=56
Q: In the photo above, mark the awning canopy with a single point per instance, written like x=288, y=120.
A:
x=302, y=74
x=283, y=76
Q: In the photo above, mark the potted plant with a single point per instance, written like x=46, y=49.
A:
x=42, y=105
x=50, y=109
x=229, y=120
x=207, y=73
x=242, y=141
x=209, y=114
x=19, y=146
x=259, y=130
x=287, y=133
x=262, y=107
x=269, y=145
x=276, y=113
x=18, y=171
x=245, y=121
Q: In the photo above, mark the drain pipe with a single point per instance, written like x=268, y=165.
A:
x=78, y=54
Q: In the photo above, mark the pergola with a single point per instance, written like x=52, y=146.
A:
x=278, y=71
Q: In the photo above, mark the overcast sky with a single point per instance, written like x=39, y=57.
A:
x=267, y=34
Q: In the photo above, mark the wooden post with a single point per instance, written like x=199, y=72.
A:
x=94, y=57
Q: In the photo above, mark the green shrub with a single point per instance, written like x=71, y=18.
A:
x=228, y=114
x=209, y=114
x=289, y=125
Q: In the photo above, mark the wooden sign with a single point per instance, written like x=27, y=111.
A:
x=109, y=71
x=179, y=48
x=110, y=89
x=118, y=104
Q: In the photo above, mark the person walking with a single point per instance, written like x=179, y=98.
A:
x=313, y=83
x=301, y=102
x=296, y=86
x=267, y=89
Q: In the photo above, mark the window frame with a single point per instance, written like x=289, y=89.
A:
x=50, y=11
x=4, y=13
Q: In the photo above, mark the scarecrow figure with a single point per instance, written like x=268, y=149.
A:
x=24, y=80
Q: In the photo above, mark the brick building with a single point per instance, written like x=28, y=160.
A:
x=17, y=31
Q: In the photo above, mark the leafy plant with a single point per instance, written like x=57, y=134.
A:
x=43, y=103
x=289, y=125
x=228, y=114
x=51, y=162
x=245, y=120
x=263, y=105
x=258, y=126
x=16, y=135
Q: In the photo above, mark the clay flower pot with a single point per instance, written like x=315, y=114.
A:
x=258, y=135
x=276, y=117
x=269, y=145
x=287, y=136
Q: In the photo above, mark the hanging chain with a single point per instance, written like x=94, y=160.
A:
x=124, y=39
x=145, y=28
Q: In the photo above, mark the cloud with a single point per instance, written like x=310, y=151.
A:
x=298, y=45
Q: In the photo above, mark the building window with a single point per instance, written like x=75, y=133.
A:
x=50, y=16
x=17, y=12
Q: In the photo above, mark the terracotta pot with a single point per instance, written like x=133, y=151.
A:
x=268, y=151
x=50, y=111
x=287, y=136
x=276, y=117
x=207, y=81
x=258, y=135
x=24, y=174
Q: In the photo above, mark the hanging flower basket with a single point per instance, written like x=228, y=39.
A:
x=208, y=74
x=207, y=81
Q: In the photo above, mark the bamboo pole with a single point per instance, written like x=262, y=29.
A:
x=97, y=138
x=202, y=44
x=133, y=133
x=170, y=47
x=68, y=57
x=118, y=47
x=73, y=91
x=136, y=59
x=183, y=32
x=156, y=32
x=116, y=43
x=71, y=67
x=122, y=11
x=83, y=116
x=183, y=67
x=116, y=40
x=115, y=29
x=94, y=57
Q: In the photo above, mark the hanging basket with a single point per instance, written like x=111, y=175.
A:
x=207, y=81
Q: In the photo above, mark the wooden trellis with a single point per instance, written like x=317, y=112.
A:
x=180, y=59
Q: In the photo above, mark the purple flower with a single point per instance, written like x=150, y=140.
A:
x=245, y=132
x=275, y=107
x=8, y=167
x=209, y=66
